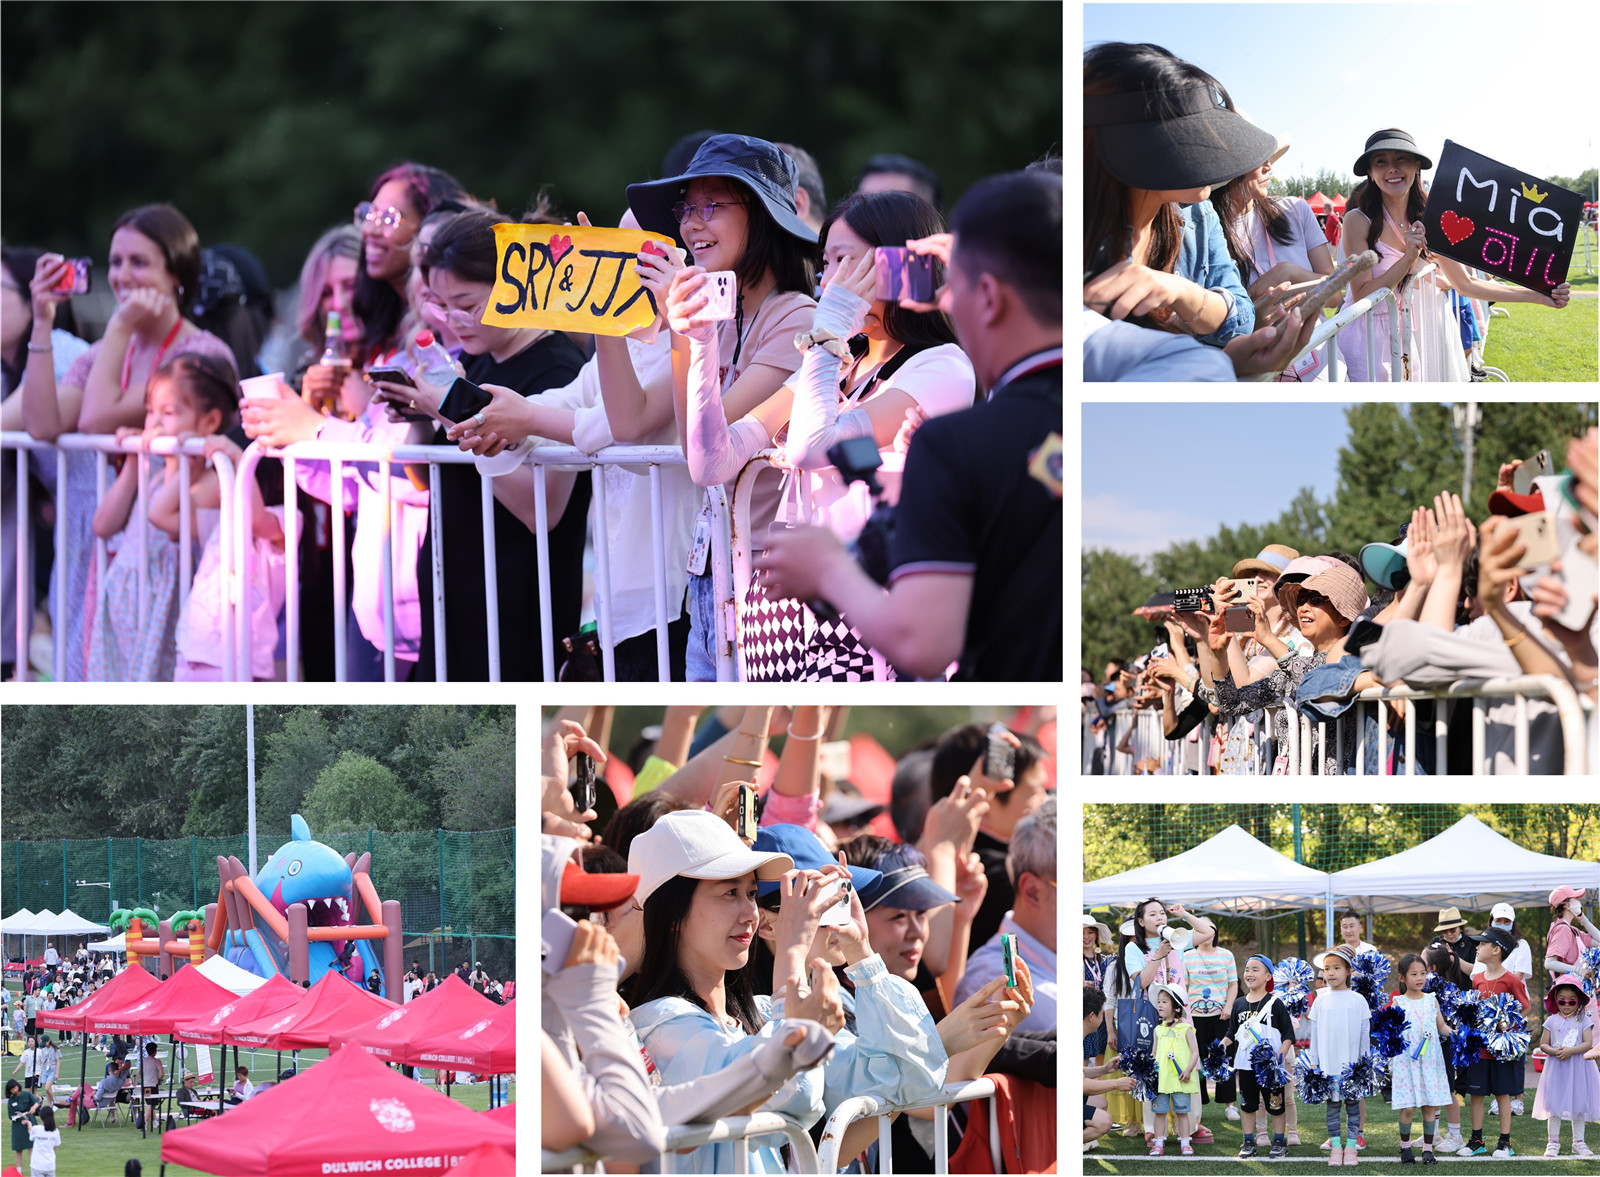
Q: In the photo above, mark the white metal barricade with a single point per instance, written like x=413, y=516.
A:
x=102, y=445
x=735, y=1129
x=1310, y=742
x=337, y=454
x=860, y=1107
x=1424, y=340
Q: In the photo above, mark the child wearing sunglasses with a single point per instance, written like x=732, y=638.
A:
x=1569, y=1086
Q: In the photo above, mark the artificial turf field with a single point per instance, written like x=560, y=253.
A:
x=99, y=1150
x=1116, y=1154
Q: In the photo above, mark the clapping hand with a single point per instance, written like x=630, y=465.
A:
x=1454, y=536
x=1420, y=561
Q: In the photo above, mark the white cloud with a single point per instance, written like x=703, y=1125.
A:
x=1110, y=521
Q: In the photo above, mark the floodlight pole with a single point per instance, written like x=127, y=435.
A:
x=250, y=744
x=1300, y=919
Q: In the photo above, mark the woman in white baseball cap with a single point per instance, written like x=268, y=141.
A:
x=699, y=1011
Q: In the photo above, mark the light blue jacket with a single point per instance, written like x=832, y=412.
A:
x=687, y=1044
x=1204, y=258
x=895, y=1054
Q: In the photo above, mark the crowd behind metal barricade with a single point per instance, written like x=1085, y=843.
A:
x=1135, y=737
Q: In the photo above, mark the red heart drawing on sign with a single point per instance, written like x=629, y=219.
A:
x=1456, y=229
x=652, y=247
x=558, y=247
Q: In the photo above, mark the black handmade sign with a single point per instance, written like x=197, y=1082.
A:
x=1501, y=221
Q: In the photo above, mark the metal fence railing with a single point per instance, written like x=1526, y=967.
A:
x=861, y=1107
x=238, y=550
x=1424, y=337
x=1308, y=742
x=736, y=1130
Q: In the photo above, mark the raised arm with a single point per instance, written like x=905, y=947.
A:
x=45, y=410
x=1464, y=283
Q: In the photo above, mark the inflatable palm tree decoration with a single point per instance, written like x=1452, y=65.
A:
x=132, y=921
x=195, y=921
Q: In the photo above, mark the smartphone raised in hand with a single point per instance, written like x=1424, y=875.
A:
x=745, y=818
x=999, y=757
x=583, y=788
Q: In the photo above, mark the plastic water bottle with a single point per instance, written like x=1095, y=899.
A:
x=434, y=364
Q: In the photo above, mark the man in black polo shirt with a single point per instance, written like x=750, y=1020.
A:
x=976, y=563
x=1451, y=932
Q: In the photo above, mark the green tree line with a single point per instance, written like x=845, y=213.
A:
x=1331, y=183
x=265, y=123
x=1394, y=458
x=79, y=772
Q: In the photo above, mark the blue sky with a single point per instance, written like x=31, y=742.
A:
x=1297, y=69
x=1144, y=486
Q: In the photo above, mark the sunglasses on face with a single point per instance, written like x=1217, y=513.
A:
x=383, y=221
x=1309, y=598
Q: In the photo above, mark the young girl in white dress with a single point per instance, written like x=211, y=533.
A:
x=1417, y=1074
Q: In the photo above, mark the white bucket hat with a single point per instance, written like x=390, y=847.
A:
x=700, y=845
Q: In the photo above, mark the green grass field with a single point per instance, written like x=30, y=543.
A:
x=1542, y=344
x=1115, y=1154
x=101, y=1151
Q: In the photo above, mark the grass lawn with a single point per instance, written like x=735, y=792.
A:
x=1541, y=343
x=101, y=1151
x=1382, y=1154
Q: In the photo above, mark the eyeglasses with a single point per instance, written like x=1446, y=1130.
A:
x=384, y=221
x=705, y=212
x=1310, y=598
x=452, y=316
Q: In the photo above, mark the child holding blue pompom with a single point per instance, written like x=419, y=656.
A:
x=1177, y=1055
x=1417, y=1074
x=1341, y=1025
x=1259, y=1017
x=1489, y=1075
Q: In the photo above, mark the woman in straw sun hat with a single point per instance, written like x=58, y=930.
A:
x=1096, y=940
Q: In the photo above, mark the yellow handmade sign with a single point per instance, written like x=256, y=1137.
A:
x=571, y=278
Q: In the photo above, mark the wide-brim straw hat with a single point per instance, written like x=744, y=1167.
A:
x=1449, y=917
x=1273, y=561
x=1104, y=932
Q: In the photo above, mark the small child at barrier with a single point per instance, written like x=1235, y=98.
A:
x=199, y=635
x=122, y=648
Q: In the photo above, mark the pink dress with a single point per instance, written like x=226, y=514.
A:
x=1353, y=339
x=1569, y=1088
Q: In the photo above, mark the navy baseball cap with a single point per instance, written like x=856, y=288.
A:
x=906, y=887
x=808, y=853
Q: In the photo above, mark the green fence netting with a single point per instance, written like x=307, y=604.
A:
x=448, y=882
x=1331, y=838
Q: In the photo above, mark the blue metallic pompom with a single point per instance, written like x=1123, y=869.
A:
x=1292, y=971
x=1362, y=1078
x=1589, y=969
x=1311, y=1085
x=1464, y=1046
x=1138, y=1062
x=1267, y=1067
x=1295, y=1000
x=1216, y=1065
x=1388, y=1031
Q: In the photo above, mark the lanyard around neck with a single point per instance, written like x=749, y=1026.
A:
x=127, y=358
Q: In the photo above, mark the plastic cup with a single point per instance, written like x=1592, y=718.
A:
x=270, y=387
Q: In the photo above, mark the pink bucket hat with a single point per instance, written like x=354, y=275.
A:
x=1565, y=979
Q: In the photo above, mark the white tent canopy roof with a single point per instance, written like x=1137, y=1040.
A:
x=14, y=923
x=230, y=976
x=37, y=924
x=1467, y=866
x=70, y=923
x=119, y=943
x=1232, y=873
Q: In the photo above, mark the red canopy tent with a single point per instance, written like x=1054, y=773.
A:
x=349, y=1114
x=186, y=994
x=505, y=1114
x=451, y=1006
x=1318, y=202
x=487, y=1160
x=123, y=989
x=332, y=1005
x=487, y=1047
x=1338, y=204
x=277, y=994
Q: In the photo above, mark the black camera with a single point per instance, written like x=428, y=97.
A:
x=857, y=460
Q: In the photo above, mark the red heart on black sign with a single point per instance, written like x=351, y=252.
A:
x=1456, y=228
x=558, y=247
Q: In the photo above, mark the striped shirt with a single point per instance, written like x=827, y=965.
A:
x=1209, y=976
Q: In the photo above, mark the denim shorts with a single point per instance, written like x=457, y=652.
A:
x=1176, y=1102
x=700, y=662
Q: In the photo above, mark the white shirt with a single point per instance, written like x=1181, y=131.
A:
x=44, y=1148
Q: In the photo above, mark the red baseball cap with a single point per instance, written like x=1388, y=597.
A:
x=1504, y=502
x=598, y=892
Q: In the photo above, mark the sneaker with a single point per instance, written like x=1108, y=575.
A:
x=1202, y=1135
x=1503, y=1151
x=1449, y=1143
x=1361, y=1141
x=1186, y=1148
x=1428, y=1158
x=1231, y=1113
x=1553, y=1149
x=1280, y=1149
x=1325, y=1145
x=1248, y=1148
x=1294, y=1136
x=1351, y=1156
x=1516, y=1106
x=1407, y=1157
x=1473, y=1149
x=1581, y=1149
x=1158, y=1150
x=1263, y=1139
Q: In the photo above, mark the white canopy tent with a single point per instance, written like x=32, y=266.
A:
x=70, y=923
x=118, y=943
x=230, y=976
x=14, y=923
x=36, y=925
x=1467, y=866
x=1232, y=873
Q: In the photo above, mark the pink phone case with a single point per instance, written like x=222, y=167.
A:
x=720, y=288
